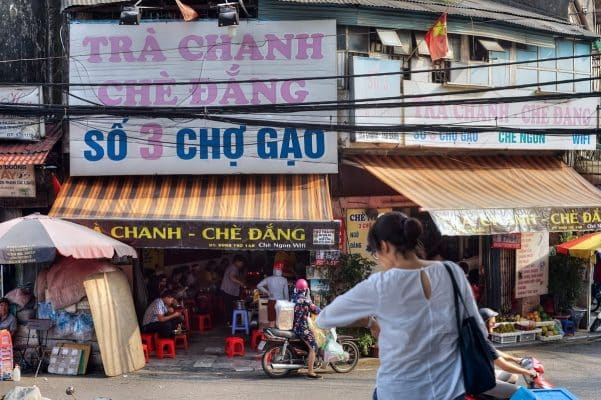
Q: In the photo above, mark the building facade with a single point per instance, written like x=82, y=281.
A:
x=470, y=144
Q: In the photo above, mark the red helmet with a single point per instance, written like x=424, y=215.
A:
x=301, y=284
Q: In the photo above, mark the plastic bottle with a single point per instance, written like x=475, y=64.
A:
x=17, y=373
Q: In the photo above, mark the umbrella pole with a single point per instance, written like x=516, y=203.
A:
x=1, y=280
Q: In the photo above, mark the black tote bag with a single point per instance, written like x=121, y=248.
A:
x=476, y=360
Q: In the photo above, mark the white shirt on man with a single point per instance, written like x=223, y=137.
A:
x=276, y=287
x=418, y=343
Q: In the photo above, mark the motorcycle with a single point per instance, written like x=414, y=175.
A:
x=531, y=383
x=284, y=352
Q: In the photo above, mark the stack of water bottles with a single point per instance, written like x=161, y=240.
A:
x=6, y=355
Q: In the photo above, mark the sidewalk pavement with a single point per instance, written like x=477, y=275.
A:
x=206, y=354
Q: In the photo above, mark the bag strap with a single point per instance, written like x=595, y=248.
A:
x=457, y=295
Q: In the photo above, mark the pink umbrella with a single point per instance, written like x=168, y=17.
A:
x=36, y=238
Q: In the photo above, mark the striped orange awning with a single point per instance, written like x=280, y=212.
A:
x=233, y=212
x=489, y=188
x=232, y=197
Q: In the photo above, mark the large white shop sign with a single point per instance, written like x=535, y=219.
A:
x=21, y=128
x=126, y=59
x=572, y=114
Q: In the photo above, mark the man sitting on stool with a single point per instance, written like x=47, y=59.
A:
x=160, y=316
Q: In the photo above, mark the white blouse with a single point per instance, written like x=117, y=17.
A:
x=419, y=355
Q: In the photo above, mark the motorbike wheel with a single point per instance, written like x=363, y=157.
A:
x=595, y=304
x=274, y=354
x=596, y=324
x=343, y=367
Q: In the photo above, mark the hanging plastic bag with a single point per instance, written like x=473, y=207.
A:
x=333, y=351
x=320, y=335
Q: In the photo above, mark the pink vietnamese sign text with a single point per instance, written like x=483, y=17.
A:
x=197, y=65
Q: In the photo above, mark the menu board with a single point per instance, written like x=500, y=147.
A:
x=532, y=265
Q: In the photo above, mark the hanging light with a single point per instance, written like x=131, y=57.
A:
x=228, y=15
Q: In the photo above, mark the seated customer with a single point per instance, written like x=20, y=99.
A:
x=7, y=320
x=160, y=316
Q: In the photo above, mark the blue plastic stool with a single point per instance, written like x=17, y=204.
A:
x=243, y=323
x=568, y=327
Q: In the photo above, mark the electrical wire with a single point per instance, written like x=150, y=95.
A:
x=311, y=78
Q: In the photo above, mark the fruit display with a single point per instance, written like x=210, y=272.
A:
x=538, y=315
x=504, y=328
x=551, y=330
x=510, y=318
x=526, y=325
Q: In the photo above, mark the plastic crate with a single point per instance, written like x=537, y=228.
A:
x=549, y=338
x=543, y=394
x=503, y=338
x=529, y=336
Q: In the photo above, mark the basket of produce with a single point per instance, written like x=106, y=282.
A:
x=550, y=332
x=504, y=333
x=525, y=325
x=538, y=315
x=507, y=318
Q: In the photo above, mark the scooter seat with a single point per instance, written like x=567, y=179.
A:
x=281, y=333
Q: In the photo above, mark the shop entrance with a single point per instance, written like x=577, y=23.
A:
x=196, y=277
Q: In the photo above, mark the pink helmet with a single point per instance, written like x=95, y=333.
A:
x=301, y=284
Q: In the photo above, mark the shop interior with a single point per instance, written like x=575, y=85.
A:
x=196, y=275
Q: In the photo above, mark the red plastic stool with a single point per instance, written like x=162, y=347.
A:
x=182, y=339
x=256, y=337
x=145, y=350
x=234, y=346
x=165, y=347
x=202, y=322
x=148, y=340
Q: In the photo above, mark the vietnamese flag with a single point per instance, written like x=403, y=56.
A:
x=437, y=40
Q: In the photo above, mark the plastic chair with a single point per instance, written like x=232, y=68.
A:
x=234, y=346
x=165, y=347
x=148, y=340
x=182, y=339
x=202, y=322
x=146, y=355
x=256, y=337
x=242, y=324
x=568, y=327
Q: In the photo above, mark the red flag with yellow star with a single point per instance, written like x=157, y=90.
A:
x=437, y=40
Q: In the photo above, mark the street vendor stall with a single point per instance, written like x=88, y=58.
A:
x=585, y=247
x=39, y=239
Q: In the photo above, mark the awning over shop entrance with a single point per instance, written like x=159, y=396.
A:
x=243, y=212
x=492, y=194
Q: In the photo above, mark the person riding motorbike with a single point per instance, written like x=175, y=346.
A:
x=303, y=307
x=507, y=366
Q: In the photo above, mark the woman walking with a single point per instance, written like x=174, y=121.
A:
x=412, y=301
